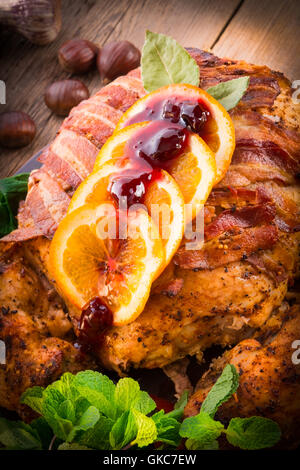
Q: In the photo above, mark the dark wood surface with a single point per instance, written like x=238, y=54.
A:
x=264, y=32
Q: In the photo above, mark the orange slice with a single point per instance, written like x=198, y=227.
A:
x=86, y=261
x=194, y=170
x=163, y=200
x=218, y=133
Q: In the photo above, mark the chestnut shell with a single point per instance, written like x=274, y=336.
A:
x=17, y=129
x=63, y=95
x=77, y=55
x=117, y=58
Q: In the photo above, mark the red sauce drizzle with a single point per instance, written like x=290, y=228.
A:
x=150, y=150
x=193, y=115
x=96, y=318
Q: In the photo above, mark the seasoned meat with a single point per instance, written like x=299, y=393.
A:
x=228, y=290
x=35, y=329
x=269, y=380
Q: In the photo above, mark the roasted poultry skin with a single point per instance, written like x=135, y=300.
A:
x=35, y=329
x=269, y=372
x=220, y=295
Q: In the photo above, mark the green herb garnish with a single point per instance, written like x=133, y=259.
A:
x=202, y=431
x=164, y=62
x=231, y=92
x=12, y=191
x=89, y=411
x=253, y=433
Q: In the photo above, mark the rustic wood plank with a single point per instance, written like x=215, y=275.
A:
x=28, y=69
x=194, y=23
x=265, y=33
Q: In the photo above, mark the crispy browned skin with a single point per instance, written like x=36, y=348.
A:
x=269, y=380
x=35, y=330
x=219, y=294
x=223, y=293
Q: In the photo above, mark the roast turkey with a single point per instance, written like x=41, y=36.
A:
x=220, y=295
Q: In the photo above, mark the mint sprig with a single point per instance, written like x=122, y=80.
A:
x=226, y=385
x=253, y=433
x=12, y=191
x=89, y=411
x=202, y=430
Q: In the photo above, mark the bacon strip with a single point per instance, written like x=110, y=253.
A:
x=263, y=88
x=287, y=218
x=47, y=201
x=71, y=156
x=287, y=225
x=22, y=234
x=252, y=125
x=265, y=153
x=268, y=266
x=226, y=197
x=243, y=218
x=238, y=248
x=61, y=168
x=123, y=92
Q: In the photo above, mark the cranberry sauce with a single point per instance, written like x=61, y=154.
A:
x=133, y=184
x=193, y=115
x=95, y=319
x=150, y=150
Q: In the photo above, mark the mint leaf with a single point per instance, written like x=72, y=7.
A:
x=98, y=390
x=33, y=397
x=129, y=396
x=123, y=431
x=43, y=430
x=222, y=390
x=12, y=191
x=229, y=93
x=16, y=435
x=65, y=386
x=167, y=428
x=126, y=393
x=146, y=429
x=202, y=428
x=253, y=433
x=193, y=444
x=165, y=62
x=177, y=413
x=144, y=403
x=86, y=421
x=66, y=410
x=72, y=446
x=98, y=436
x=52, y=403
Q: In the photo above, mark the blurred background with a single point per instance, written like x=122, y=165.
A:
x=262, y=32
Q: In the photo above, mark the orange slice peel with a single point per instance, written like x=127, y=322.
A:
x=220, y=135
x=87, y=261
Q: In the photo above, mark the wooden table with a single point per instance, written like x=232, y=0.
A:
x=261, y=31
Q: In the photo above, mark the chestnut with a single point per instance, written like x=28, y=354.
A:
x=117, y=58
x=17, y=129
x=77, y=55
x=63, y=95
